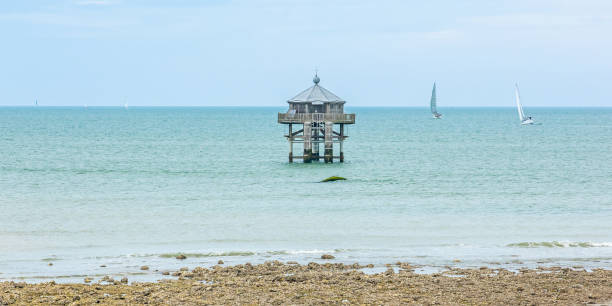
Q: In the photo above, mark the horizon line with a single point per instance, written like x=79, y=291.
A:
x=275, y=106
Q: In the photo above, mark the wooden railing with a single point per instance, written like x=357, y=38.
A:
x=316, y=117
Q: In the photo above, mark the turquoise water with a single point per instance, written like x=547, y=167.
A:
x=122, y=188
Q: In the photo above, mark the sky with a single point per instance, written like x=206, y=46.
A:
x=262, y=53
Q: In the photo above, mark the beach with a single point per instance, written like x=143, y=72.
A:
x=278, y=283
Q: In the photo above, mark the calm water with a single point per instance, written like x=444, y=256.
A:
x=106, y=186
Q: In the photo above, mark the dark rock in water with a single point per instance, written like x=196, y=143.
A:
x=50, y=264
x=165, y=273
x=124, y=280
x=102, y=266
x=144, y=268
x=220, y=262
x=181, y=257
x=327, y=256
x=184, y=269
x=333, y=178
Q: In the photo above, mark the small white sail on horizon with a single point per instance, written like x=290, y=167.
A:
x=433, y=103
x=525, y=120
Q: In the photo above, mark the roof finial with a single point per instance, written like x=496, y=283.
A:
x=316, y=79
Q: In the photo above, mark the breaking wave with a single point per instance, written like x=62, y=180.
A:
x=560, y=244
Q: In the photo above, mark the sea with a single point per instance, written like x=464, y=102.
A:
x=88, y=192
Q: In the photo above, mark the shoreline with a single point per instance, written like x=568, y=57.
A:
x=275, y=282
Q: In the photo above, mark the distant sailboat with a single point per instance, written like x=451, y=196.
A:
x=524, y=119
x=36, y=102
x=432, y=104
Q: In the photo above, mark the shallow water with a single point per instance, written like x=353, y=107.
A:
x=82, y=188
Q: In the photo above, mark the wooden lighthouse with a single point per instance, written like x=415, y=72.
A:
x=317, y=111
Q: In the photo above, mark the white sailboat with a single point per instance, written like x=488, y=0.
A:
x=524, y=119
x=433, y=102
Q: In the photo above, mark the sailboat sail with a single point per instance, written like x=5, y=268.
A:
x=518, y=104
x=433, y=101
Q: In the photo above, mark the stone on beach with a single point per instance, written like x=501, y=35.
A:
x=181, y=257
x=144, y=268
x=124, y=280
x=220, y=262
x=327, y=256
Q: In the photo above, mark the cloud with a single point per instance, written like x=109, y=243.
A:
x=95, y=2
x=532, y=21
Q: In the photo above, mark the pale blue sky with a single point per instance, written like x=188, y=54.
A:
x=261, y=53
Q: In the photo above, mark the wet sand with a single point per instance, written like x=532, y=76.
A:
x=290, y=283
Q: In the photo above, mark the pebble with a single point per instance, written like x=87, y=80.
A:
x=220, y=262
x=181, y=257
x=144, y=268
x=327, y=256
x=124, y=280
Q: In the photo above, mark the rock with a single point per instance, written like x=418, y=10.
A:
x=291, y=262
x=87, y=280
x=165, y=273
x=50, y=264
x=327, y=256
x=181, y=257
x=220, y=262
x=102, y=266
x=107, y=279
x=184, y=269
x=456, y=260
x=333, y=178
x=144, y=268
x=124, y=280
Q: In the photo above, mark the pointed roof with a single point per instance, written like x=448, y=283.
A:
x=316, y=94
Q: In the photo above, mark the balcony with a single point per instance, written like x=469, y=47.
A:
x=287, y=118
